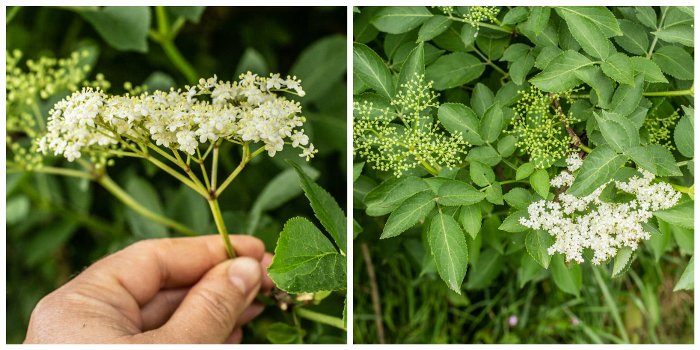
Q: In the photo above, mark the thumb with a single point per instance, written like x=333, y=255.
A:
x=209, y=312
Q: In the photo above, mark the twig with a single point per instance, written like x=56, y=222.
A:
x=375, y=294
x=575, y=140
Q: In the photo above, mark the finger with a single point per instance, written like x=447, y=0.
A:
x=157, y=311
x=146, y=267
x=211, y=309
x=267, y=283
x=235, y=337
x=253, y=311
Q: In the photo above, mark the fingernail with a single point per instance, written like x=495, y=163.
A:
x=245, y=274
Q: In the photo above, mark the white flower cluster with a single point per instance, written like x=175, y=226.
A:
x=243, y=111
x=589, y=222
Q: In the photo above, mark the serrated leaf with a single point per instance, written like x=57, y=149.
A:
x=683, y=136
x=400, y=19
x=681, y=215
x=468, y=34
x=539, y=16
x=618, y=131
x=664, y=161
x=546, y=56
x=192, y=13
x=635, y=40
x=512, y=222
x=559, y=74
x=492, y=123
x=537, y=242
x=518, y=198
x=646, y=16
x=470, y=219
x=681, y=34
x=539, y=180
x=458, y=118
x=524, y=171
x=124, y=28
x=371, y=69
x=482, y=98
x=640, y=156
x=449, y=249
x=519, y=69
x=515, y=15
x=326, y=209
x=626, y=98
x=409, y=213
x=600, y=16
x=481, y=174
x=386, y=197
x=305, y=261
x=433, y=27
x=674, y=61
x=622, y=262
x=619, y=67
x=602, y=85
x=413, y=66
x=600, y=166
x=453, y=192
x=357, y=170
x=506, y=145
x=652, y=73
x=687, y=280
x=568, y=279
x=494, y=193
x=586, y=33
x=453, y=70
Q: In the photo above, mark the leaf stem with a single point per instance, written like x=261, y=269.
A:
x=320, y=318
x=656, y=37
x=490, y=63
x=686, y=92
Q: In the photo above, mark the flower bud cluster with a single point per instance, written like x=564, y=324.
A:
x=405, y=136
x=92, y=121
x=588, y=222
x=660, y=129
x=475, y=14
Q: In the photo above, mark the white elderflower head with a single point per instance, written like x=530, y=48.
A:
x=577, y=223
x=248, y=110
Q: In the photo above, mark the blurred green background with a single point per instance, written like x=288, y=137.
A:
x=56, y=226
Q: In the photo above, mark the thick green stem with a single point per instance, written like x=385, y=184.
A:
x=585, y=148
x=63, y=172
x=656, y=38
x=612, y=305
x=686, y=92
x=132, y=203
x=221, y=227
x=166, y=38
x=320, y=318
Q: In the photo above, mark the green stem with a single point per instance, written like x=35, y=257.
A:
x=686, y=92
x=611, y=304
x=214, y=166
x=12, y=13
x=165, y=38
x=490, y=63
x=221, y=227
x=505, y=182
x=429, y=168
x=232, y=176
x=178, y=176
x=320, y=318
x=656, y=38
x=132, y=203
x=585, y=148
x=504, y=29
x=63, y=172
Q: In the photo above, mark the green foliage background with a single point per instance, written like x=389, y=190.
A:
x=625, y=59
x=56, y=226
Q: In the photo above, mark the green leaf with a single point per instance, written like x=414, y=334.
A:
x=600, y=166
x=433, y=27
x=455, y=192
x=449, y=249
x=641, y=156
x=515, y=15
x=619, y=67
x=681, y=34
x=546, y=56
x=635, y=40
x=568, y=279
x=506, y=145
x=524, y=171
x=539, y=16
x=191, y=13
x=683, y=136
x=413, y=66
x=601, y=84
x=470, y=218
x=681, y=215
x=145, y=194
x=646, y=16
x=321, y=65
x=559, y=74
x=626, y=98
x=16, y=209
x=482, y=99
x=518, y=198
x=305, y=261
x=687, y=280
x=674, y=61
x=47, y=241
x=409, y=213
x=357, y=170
x=600, y=16
x=372, y=70
x=492, y=46
x=325, y=208
x=453, y=70
x=623, y=261
x=282, y=333
x=664, y=161
x=481, y=174
x=512, y=222
x=494, y=193
x=539, y=180
x=618, y=131
x=492, y=123
x=537, y=242
x=400, y=19
x=652, y=73
x=124, y=28
x=468, y=34
x=586, y=33
x=458, y=118
x=519, y=69
x=486, y=269
x=386, y=197
x=484, y=154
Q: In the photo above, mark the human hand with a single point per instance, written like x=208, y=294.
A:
x=173, y=290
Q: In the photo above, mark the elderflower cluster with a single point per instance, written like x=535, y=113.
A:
x=405, y=136
x=28, y=88
x=94, y=122
x=578, y=223
x=473, y=14
x=540, y=128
